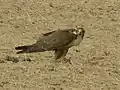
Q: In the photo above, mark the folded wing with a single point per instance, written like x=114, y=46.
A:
x=52, y=41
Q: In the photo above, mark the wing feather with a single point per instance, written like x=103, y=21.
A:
x=55, y=40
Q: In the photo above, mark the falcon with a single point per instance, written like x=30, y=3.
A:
x=58, y=41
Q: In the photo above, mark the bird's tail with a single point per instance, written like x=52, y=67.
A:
x=27, y=49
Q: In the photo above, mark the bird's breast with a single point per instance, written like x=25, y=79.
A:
x=76, y=41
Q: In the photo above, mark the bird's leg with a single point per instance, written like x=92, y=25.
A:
x=65, y=59
x=60, y=54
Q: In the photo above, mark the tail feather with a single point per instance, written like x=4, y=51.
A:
x=20, y=52
x=24, y=49
x=29, y=49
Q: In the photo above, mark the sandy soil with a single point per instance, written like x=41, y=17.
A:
x=96, y=61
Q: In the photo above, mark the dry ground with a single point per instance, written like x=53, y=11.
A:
x=96, y=61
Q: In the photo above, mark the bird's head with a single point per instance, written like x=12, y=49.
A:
x=79, y=32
